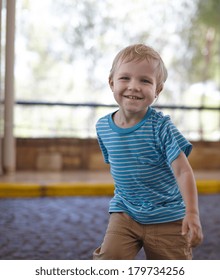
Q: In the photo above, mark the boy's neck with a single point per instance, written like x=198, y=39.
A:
x=126, y=120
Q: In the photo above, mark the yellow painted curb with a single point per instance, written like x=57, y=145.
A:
x=208, y=186
x=9, y=190
x=19, y=190
x=75, y=189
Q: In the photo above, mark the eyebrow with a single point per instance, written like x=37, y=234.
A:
x=142, y=76
x=124, y=73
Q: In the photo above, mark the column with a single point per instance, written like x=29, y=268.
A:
x=9, y=161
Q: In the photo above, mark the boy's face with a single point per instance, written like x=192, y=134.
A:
x=134, y=85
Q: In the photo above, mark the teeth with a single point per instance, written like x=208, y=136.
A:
x=133, y=97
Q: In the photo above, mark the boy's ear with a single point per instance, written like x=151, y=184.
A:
x=111, y=83
x=159, y=89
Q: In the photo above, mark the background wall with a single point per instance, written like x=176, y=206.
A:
x=84, y=154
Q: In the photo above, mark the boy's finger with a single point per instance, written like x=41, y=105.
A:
x=196, y=237
x=184, y=228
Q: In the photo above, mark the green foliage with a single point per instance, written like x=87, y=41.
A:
x=204, y=41
x=208, y=13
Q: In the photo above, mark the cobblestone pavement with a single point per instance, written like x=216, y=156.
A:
x=72, y=227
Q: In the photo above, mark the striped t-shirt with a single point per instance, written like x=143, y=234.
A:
x=140, y=160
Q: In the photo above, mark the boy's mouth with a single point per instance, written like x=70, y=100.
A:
x=133, y=97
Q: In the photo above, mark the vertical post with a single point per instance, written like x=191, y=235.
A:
x=1, y=105
x=9, y=140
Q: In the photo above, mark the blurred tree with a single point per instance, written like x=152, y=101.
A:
x=204, y=40
x=65, y=47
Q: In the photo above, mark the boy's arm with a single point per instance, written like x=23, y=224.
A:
x=186, y=182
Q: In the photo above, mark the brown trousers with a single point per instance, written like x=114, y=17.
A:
x=125, y=237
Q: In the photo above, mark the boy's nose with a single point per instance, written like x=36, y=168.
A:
x=133, y=86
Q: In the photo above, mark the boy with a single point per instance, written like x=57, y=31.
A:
x=155, y=203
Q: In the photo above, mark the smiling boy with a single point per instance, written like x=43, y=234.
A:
x=155, y=203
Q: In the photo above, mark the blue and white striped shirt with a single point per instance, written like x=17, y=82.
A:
x=140, y=160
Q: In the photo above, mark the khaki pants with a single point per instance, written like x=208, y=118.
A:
x=125, y=237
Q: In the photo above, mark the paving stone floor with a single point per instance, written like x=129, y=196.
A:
x=72, y=227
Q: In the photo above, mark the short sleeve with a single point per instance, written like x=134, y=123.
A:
x=103, y=149
x=171, y=141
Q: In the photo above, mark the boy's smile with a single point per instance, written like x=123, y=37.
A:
x=133, y=97
x=134, y=88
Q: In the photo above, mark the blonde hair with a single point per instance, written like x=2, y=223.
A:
x=139, y=52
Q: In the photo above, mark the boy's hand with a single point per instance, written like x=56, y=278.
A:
x=191, y=224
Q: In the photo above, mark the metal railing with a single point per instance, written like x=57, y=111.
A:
x=95, y=105
x=61, y=119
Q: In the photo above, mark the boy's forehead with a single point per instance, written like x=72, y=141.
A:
x=148, y=64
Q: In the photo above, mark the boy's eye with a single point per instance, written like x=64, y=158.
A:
x=146, y=81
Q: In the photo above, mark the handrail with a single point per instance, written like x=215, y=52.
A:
x=91, y=104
